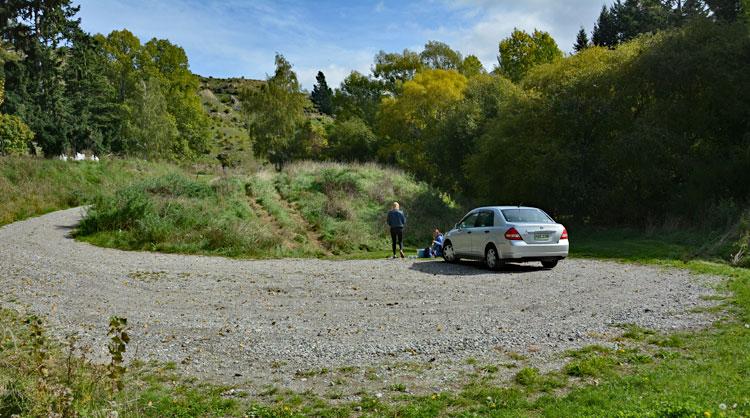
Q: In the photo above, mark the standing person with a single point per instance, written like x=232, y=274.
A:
x=397, y=222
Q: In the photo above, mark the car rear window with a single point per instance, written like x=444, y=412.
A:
x=525, y=215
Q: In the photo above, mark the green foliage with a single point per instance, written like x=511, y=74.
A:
x=359, y=96
x=176, y=214
x=150, y=130
x=472, y=67
x=322, y=95
x=439, y=56
x=395, y=68
x=590, y=116
x=35, y=84
x=486, y=99
x=520, y=52
x=15, y=135
x=625, y=20
x=80, y=92
x=276, y=111
x=408, y=122
x=351, y=140
x=582, y=41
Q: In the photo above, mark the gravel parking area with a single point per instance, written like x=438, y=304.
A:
x=301, y=324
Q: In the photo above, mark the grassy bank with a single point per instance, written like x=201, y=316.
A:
x=307, y=210
x=33, y=186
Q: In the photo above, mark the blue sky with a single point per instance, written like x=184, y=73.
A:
x=239, y=38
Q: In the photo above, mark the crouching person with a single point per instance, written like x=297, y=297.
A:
x=436, y=248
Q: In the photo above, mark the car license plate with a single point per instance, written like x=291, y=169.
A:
x=541, y=236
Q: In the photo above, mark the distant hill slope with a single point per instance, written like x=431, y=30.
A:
x=221, y=100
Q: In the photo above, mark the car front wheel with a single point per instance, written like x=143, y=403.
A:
x=449, y=254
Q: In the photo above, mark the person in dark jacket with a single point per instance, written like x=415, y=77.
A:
x=397, y=222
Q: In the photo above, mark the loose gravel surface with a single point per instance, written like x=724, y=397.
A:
x=316, y=324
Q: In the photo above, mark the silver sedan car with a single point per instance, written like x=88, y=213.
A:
x=500, y=234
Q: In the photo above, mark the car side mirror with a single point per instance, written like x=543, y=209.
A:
x=458, y=226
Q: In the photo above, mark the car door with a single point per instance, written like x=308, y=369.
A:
x=461, y=238
x=482, y=232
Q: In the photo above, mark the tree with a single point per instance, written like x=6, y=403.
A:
x=472, y=67
x=311, y=138
x=169, y=63
x=521, y=51
x=635, y=17
x=687, y=10
x=275, y=112
x=359, y=96
x=485, y=99
x=582, y=40
x=322, y=95
x=150, y=131
x=35, y=87
x=15, y=135
x=394, y=68
x=726, y=10
x=439, y=56
x=351, y=140
x=92, y=97
x=408, y=121
x=605, y=30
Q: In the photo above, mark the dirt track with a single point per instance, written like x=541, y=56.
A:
x=277, y=322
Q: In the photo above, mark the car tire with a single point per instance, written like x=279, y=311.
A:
x=492, y=258
x=549, y=264
x=449, y=255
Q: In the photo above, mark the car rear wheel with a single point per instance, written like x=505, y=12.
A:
x=491, y=259
x=549, y=264
x=449, y=254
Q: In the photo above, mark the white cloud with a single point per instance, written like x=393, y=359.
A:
x=494, y=20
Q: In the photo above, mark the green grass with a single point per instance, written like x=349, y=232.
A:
x=308, y=210
x=33, y=186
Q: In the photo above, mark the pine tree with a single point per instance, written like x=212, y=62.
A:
x=582, y=40
x=605, y=30
x=725, y=10
x=322, y=95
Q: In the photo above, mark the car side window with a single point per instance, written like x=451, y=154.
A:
x=469, y=221
x=486, y=219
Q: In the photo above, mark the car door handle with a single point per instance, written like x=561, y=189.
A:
x=486, y=232
x=468, y=232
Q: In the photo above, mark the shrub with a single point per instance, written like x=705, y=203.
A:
x=15, y=135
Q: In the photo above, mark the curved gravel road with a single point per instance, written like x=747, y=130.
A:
x=279, y=322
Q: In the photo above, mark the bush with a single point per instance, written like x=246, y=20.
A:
x=15, y=135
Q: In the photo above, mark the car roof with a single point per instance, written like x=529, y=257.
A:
x=502, y=207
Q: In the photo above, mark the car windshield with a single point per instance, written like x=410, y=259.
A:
x=525, y=215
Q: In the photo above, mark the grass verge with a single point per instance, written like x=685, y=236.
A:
x=33, y=186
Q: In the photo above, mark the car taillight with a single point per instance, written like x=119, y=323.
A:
x=513, y=235
x=564, y=234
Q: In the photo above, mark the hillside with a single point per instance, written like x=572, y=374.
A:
x=306, y=210
x=221, y=100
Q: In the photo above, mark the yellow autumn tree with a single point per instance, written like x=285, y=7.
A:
x=407, y=121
